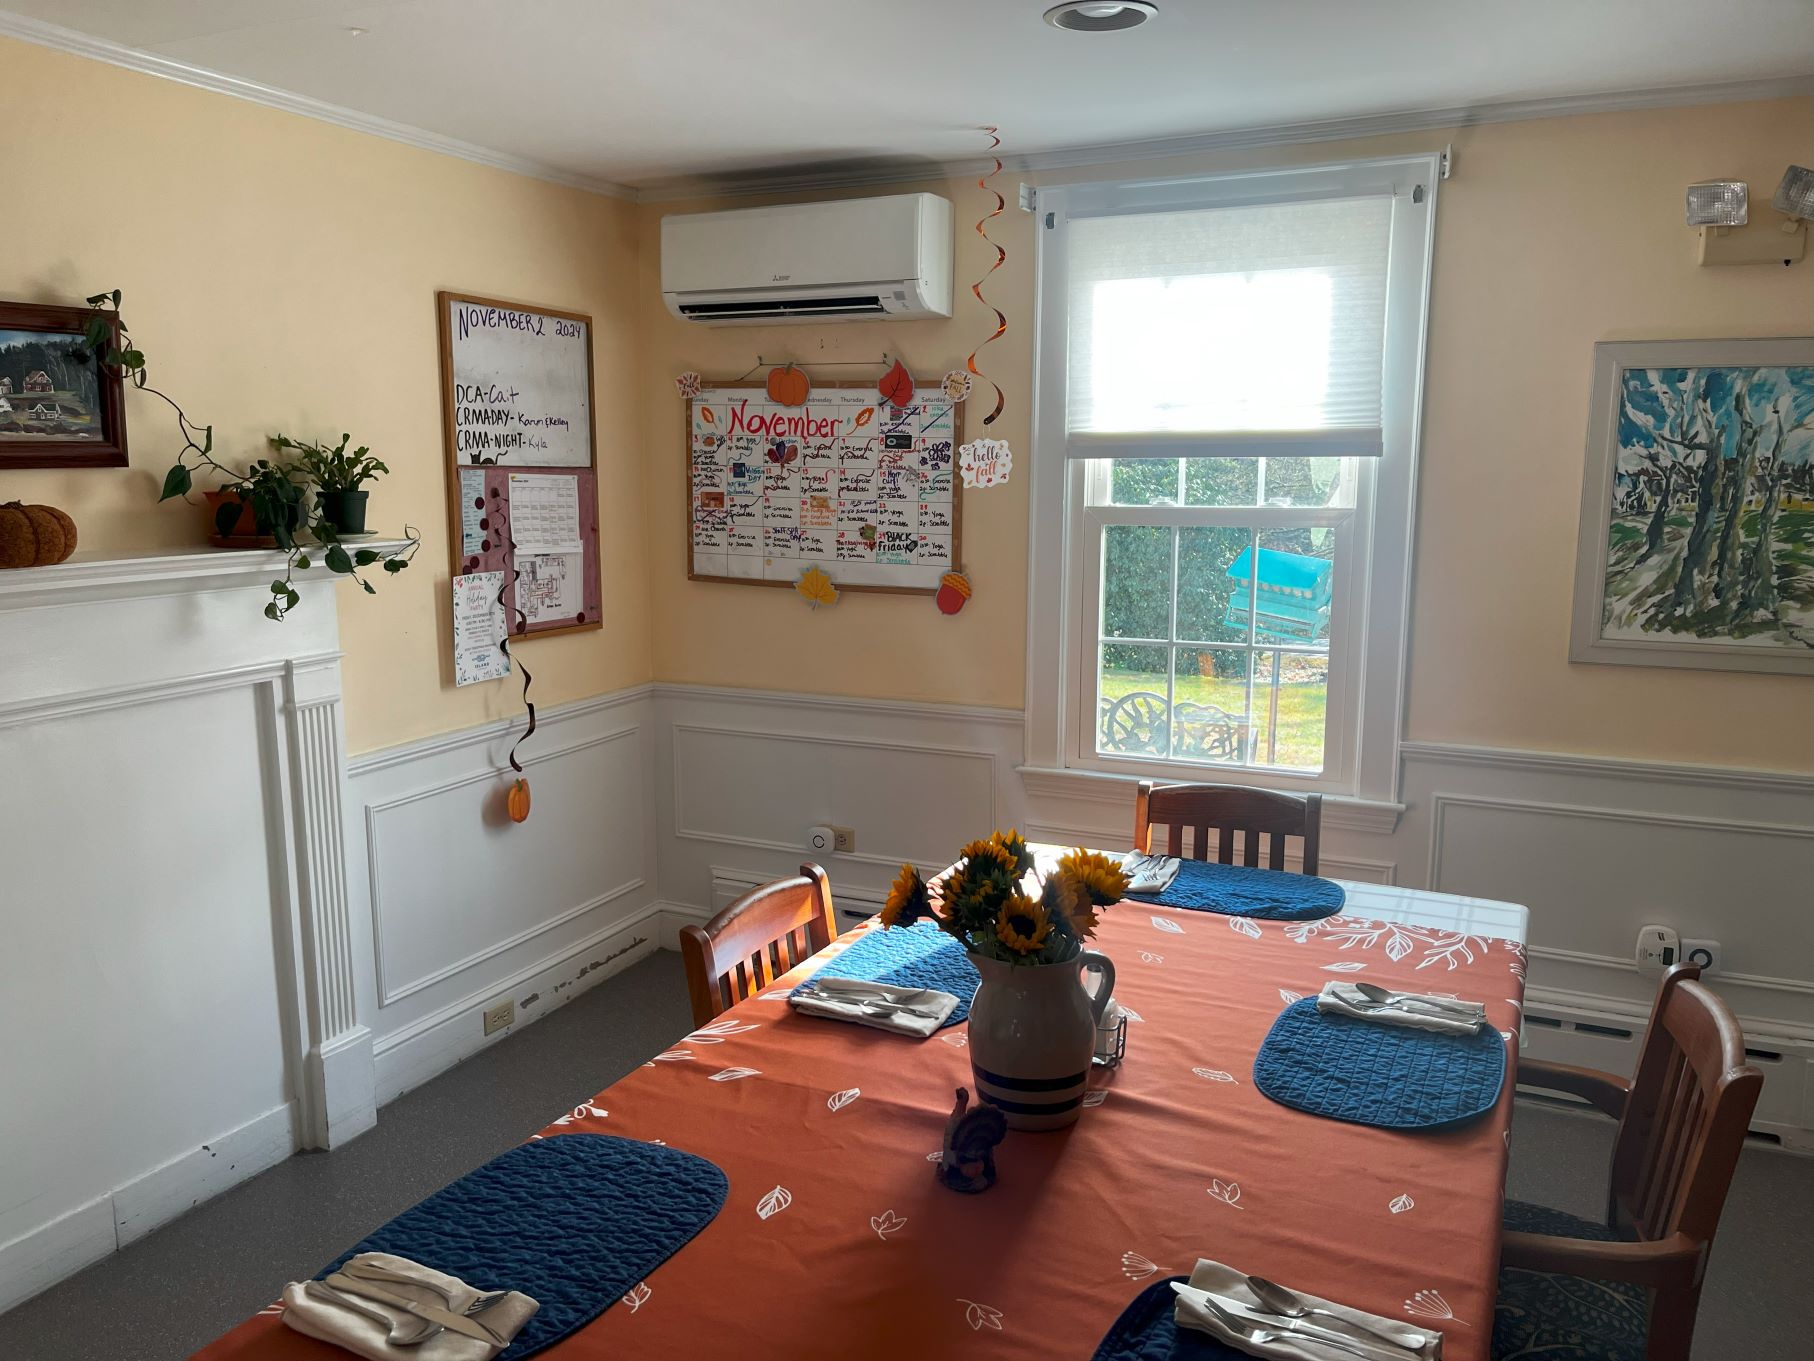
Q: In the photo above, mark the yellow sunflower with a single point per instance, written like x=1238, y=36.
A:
x=1068, y=904
x=982, y=856
x=907, y=899
x=1023, y=925
x=1014, y=845
x=1101, y=877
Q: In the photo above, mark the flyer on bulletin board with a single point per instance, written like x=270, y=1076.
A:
x=478, y=628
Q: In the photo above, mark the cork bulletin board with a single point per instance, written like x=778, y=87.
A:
x=846, y=482
x=522, y=478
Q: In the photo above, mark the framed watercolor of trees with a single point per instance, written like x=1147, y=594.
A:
x=1697, y=513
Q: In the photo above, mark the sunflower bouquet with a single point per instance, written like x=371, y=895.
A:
x=998, y=905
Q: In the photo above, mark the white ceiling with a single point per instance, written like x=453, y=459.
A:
x=644, y=91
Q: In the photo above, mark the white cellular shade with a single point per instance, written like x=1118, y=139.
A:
x=1264, y=319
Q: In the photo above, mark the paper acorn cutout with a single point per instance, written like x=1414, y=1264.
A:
x=816, y=588
x=687, y=385
x=956, y=385
x=953, y=592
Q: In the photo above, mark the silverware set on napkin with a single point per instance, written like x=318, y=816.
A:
x=1418, y=1010
x=1264, y=1318
x=1149, y=873
x=358, y=1281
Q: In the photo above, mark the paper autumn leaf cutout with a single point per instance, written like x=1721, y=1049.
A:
x=705, y=414
x=816, y=587
x=955, y=385
x=864, y=417
x=897, y=384
x=687, y=385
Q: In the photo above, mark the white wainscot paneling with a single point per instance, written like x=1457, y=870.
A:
x=469, y=909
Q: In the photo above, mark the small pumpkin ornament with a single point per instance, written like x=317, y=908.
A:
x=34, y=536
x=789, y=386
x=953, y=592
x=516, y=802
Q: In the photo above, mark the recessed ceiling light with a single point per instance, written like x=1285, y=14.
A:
x=1100, y=16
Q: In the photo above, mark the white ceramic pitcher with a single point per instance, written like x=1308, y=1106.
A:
x=1032, y=1032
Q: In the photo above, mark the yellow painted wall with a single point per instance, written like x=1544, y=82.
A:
x=1553, y=234
x=280, y=274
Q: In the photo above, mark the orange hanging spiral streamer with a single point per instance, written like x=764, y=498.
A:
x=1001, y=321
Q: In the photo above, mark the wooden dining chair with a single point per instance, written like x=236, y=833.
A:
x=755, y=940
x=1628, y=1288
x=1229, y=808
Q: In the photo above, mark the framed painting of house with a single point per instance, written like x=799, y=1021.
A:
x=58, y=407
x=1697, y=512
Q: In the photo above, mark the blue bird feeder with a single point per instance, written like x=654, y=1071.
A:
x=1290, y=600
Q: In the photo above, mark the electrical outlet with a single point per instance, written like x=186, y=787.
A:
x=1658, y=947
x=844, y=840
x=1705, y=953
x=503, y=1014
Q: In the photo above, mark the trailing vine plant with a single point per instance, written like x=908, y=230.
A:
x=275, y=491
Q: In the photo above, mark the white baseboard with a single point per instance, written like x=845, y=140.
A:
x=435, y=1043
x=38, y=1260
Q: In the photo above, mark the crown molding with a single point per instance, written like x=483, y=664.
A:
x=150, y=63
x=808, y=179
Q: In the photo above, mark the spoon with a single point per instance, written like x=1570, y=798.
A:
x=1386, y=997
x=1276, y=1299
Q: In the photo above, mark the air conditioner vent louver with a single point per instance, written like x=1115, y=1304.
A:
x=782, y=310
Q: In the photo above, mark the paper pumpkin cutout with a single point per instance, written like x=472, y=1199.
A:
x=953, y=592
x=956, y=385
x=687, y=385
x=516, y=801
x=816, y=588
x=985, y=462
x=789, y=386
x=897, y=385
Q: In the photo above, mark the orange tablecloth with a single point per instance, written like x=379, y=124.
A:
x=837, y=1242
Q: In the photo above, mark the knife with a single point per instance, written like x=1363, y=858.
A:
x=1249, y=1316
x=454, y=1323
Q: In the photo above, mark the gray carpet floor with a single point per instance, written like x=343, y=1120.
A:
x=191, y=1280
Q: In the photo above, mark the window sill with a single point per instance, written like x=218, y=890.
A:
x=1375, y=816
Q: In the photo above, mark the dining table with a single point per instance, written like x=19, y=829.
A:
x=836, y=1240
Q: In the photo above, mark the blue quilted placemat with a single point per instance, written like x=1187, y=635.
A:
x=574, y=1220
x=1241, y=891
x=1145, y=1332
x=917, y=956
x=1368, y=1074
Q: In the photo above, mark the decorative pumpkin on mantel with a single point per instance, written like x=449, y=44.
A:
x=34, y=536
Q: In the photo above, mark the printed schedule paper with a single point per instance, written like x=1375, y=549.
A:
x=846, y=482
x=544, y=513
x=478, y=628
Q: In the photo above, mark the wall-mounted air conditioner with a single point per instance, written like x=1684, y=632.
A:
x=850, y=260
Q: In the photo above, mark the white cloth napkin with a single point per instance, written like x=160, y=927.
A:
x=1149, y=874
x=344, y=1327
x=1230, y=1289
x=1415, y=1010
x=876, y=1004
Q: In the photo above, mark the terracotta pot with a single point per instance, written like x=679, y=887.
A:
x=245, y=530
x=1032, y=1032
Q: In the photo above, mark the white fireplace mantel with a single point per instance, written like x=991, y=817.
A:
x=173, y=830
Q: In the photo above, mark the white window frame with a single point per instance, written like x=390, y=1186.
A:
x=1368, y=627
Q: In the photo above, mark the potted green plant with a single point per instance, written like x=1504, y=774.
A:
x=338, y=477
x=252, y=510
x=262, y=506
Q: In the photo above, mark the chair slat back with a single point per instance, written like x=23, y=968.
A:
x=755, y=940
x=1684, y=1125
x=1257, y=815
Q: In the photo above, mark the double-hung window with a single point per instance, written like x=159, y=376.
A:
x=1223, y=474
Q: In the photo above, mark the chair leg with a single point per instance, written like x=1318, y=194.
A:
x=1671, y=1324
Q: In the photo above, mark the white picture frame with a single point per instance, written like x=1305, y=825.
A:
x=1657, y=408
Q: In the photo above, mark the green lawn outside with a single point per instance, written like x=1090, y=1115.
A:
x=1301, y=709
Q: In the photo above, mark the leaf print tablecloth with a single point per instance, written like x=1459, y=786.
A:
x=837, y=1241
